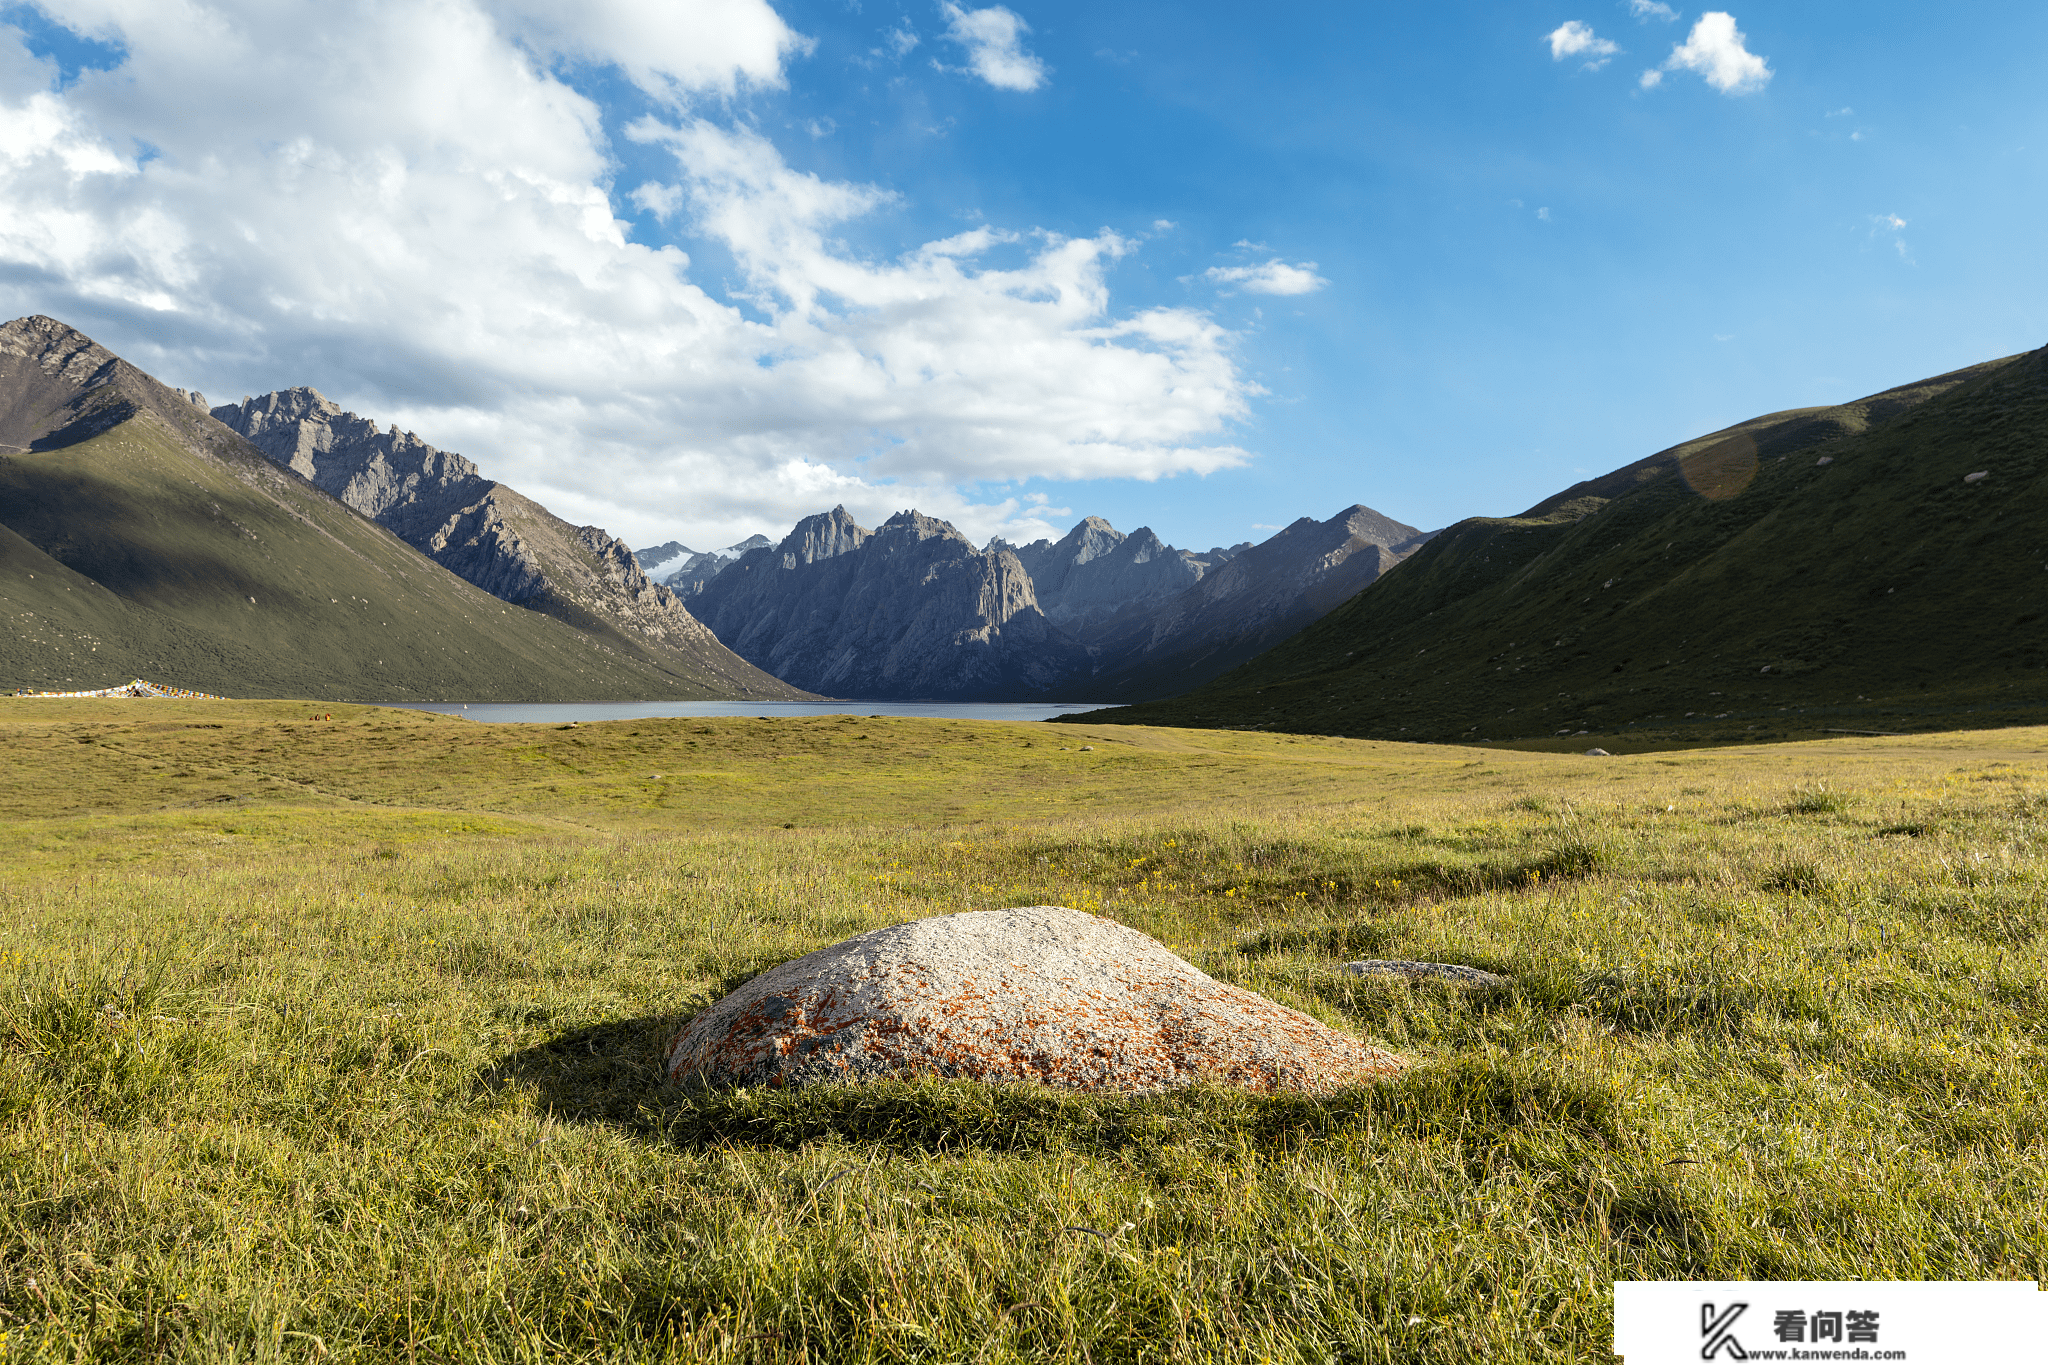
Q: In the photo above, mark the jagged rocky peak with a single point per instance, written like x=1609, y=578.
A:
x=1096, y=571
x=658, y=557
x=824, y=536
x=1375, y=527
x=1049, y=561
x=292, y=426
x=1091, y=539
x=1143, y=545
x=675, y=565
x=60, y=379
x=1256, y=596
x=910, y=609
x=494, y=536
x=929, y=539
x=370, y=469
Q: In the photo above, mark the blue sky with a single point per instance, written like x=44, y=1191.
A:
x=1516, y=268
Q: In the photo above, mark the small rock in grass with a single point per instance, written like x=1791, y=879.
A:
x=1598, y=753
x=1038, y=993
x=1425, y=971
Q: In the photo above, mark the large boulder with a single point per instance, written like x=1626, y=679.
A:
x=1040, y=993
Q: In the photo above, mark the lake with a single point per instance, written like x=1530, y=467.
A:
x=556, y=713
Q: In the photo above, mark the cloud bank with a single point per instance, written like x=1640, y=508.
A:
x=406, y=207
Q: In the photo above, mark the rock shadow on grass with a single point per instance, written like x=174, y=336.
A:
x=605, y=1073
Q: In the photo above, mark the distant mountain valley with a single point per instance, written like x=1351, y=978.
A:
x=1877, y=557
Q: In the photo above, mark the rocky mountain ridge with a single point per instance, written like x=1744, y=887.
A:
x=1247, y=604
x=1095, y=571
x=488, y=533
x=1097, y=614
x=909, y=610
x=141, y=537
x=685, y=571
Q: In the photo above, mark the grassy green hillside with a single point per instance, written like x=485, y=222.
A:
x=140, y=536
x=339, y=1040
x=129, y=553
x=1817, y=570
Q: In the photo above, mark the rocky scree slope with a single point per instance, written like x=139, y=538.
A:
x=495, y=537
x=910, y=609
x=1878, y=561
x=139, y=536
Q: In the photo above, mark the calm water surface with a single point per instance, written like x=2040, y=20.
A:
x=543, y=713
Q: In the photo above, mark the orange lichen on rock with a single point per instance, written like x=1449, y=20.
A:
x=1039, y=993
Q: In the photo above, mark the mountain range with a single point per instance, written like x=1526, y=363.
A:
x=142, y=536
x=685, y=571
x=1877, y=558
x=1870, y=566
x=913, y=609
x=147, y=533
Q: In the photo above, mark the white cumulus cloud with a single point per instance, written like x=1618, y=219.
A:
x=994, y=39
x=669, y=50
x=1575, y=39
x=1716, y=50
x=1652, y=9
x=1274, y=277
x=406, y=207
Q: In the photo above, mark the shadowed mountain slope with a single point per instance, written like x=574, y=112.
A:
x=143, y=537
x=494, y=536
x=1879, y=559
x=1246, y=604
x=909, y=610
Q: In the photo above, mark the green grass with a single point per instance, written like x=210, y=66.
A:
x=1802, y=574
x=362, y=1062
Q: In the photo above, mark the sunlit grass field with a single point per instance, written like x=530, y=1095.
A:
x=339, y=1039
